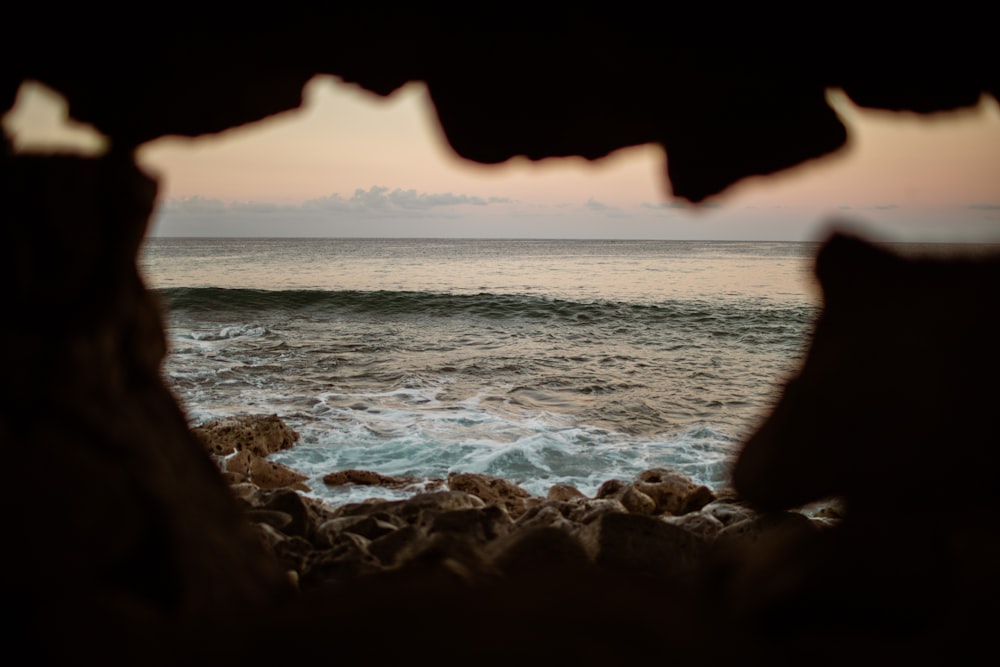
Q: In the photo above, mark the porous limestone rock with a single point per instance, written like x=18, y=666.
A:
x=260, y=435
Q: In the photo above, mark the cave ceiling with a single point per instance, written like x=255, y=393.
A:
x=585, y=85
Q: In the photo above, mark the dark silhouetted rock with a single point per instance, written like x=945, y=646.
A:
x=643, y=545
x=544, y=549
x=901, y=362
x=148, y=529
x=154, y=561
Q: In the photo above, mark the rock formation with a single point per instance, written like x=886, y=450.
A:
x=123, y=540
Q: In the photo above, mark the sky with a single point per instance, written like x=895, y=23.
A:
x=349, y=163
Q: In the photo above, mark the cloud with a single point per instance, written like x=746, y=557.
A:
x=380, y=200
x=334, y=203
x=666, y=205
x=376, y=200
x=266, y=208
x=194, y=206
x=410, y=199
x=680, y=205
x=984, y=207
x=606, y=209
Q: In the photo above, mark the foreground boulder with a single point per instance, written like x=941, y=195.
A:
x=900, y=375
x=140, y=534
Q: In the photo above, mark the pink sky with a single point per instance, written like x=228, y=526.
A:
x=903, y=176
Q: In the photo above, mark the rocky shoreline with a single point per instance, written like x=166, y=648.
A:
x=659, y=524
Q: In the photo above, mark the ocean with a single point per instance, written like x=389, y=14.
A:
x=540, y=361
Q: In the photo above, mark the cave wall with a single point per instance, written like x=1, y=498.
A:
x=117, y=512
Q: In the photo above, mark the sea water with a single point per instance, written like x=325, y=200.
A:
x=542, y=362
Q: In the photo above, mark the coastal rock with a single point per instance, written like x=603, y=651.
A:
x=291, y=503
x=771, y=527
x=246, y=492
x=411, y=509
x=564, y=492
x=728, y=513
x=233, y=478
x=658, y=491
x=610, y=488
x=277, y=520
x=590, y=510
x=367, y=478
x=478, y=525
x=370, y=527
x=239, y=463
x=703, y=524
x=151, y=547
x=569, y=515
x=632, y=499
x=399, y=545
x=271, y=475
x=269, y=535
x=643, y=545
x=493, y=490
x=539, y=550
x=673, y=492
x=346, y=559
x=258, y=434
x=548, y=514
x=263, y=473
x=424, y=504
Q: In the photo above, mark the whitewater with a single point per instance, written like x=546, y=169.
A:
x=539, y=361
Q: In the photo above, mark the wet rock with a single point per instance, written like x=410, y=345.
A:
x=258, y=434
x=673, y=492
x=564, y=492
x=246, y=466
x=435, y=501
x=270, y=475
x=366, y=478
x=493, y=490
x=634, y=500
x=610, y=488
x=702, y=524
